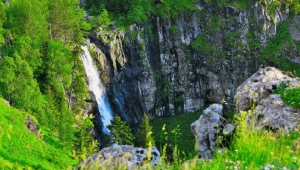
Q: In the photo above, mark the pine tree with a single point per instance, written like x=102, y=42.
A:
x=119, y=132
x=143, y=137
x=104, y=18
x=2, y=14
x=84, y=143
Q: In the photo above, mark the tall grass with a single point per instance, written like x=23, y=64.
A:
x=249, y=149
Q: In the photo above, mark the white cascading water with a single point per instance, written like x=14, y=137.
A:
x=96, y=86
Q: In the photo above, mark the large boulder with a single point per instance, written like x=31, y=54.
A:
x=267, y=110
x=259, y=86
x=208, y=128
x=272, y=114
x=123, y=156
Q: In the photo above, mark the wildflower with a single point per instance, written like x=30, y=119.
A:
x=236, y=150
x=294, y=158
x=238, y=162
x=272, y=153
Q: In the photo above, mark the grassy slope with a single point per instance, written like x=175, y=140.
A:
x=21, y=149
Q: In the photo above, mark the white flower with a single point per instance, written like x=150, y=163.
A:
x=294, y=158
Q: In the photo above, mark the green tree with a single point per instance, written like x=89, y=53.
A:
x=143, y=137
x=28, y=17
x=119, y=132
x=19, y=87
x=85, y=144
x=65, y=16
x=2, y=14
x=104, y=18
x=7, y=77
x=29, y=50
x=66, y=127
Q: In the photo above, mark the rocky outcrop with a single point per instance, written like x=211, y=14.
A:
x=259, y=86
x=31, y=125
x=272, y=114
x=268, y=111
x=209, y=129
x=124, y=156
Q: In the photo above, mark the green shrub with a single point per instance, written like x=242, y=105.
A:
x=290, y=96
x=104, y=18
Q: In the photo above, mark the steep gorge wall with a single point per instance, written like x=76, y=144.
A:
x=174, y=65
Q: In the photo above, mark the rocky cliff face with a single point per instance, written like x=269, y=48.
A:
x=170, y=66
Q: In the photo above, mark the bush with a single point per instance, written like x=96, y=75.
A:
x=290, y=96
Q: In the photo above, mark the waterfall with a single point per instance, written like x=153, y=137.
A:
x=96, y=85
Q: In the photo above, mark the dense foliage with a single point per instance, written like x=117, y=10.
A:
x=126, y=12
x=41, y=71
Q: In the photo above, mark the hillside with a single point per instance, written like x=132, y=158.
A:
x=21, y=149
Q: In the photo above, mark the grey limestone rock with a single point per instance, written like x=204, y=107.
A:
x=123, y=156
x=208, y=128
x=272, y=114
x=259, y=86
x=268, y=111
